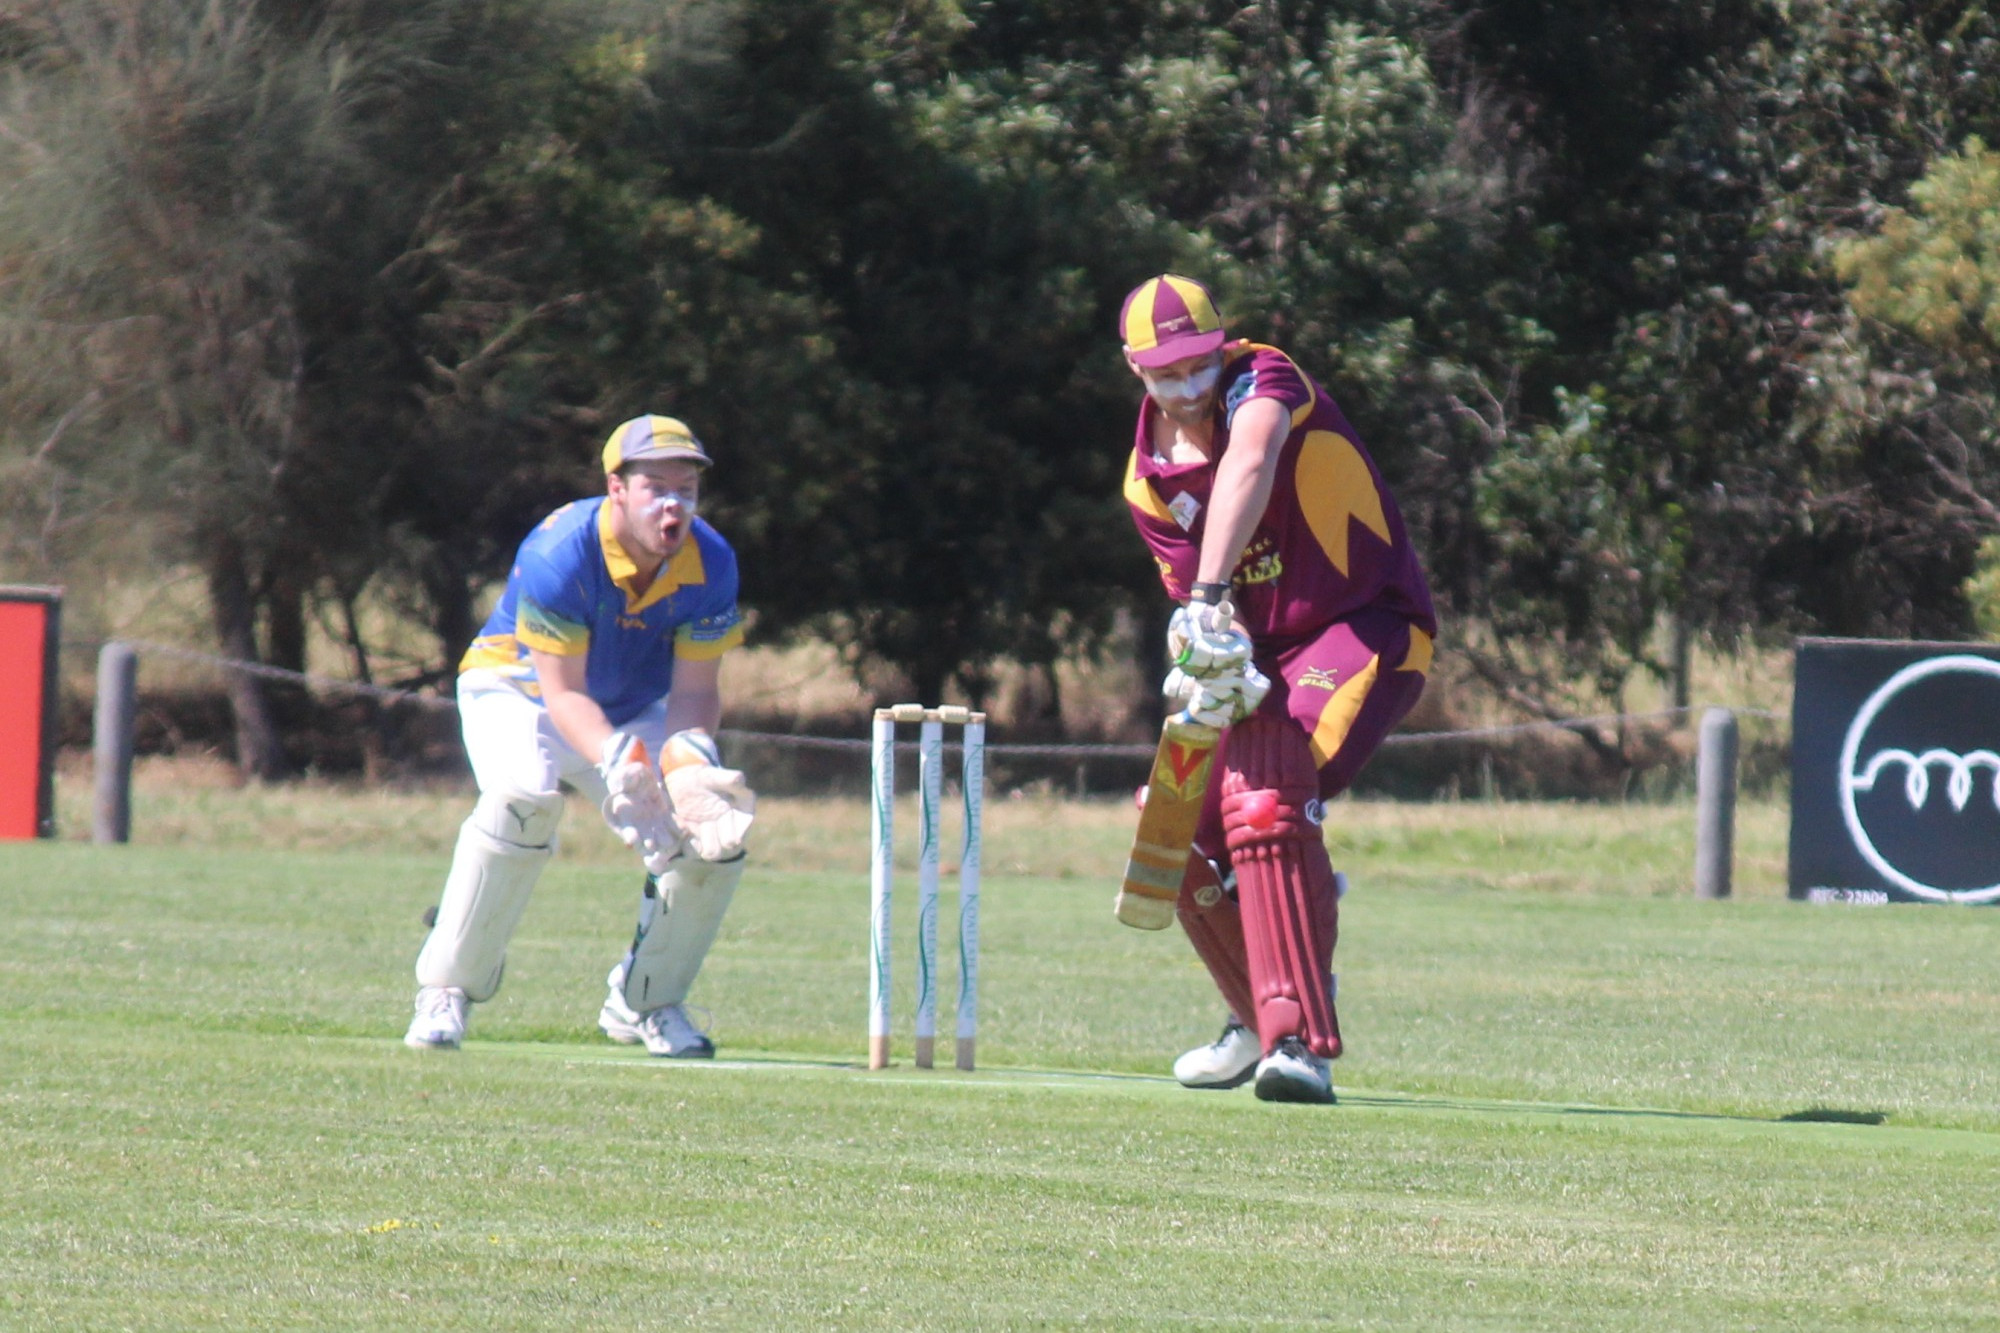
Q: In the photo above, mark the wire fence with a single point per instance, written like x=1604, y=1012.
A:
x=1071, y=751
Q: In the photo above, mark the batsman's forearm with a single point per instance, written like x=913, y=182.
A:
x=1244, y=480
x=1241, y=494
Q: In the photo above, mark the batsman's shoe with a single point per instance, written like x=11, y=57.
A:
x=1227, y=1062
x=439, y=1024
x=1291, y=1073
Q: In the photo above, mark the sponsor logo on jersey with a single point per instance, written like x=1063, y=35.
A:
x=1173, y=585
x=1261, y=563
x=538, y=622
x=1239, y=390
x=630, y=622
x=1319, y=678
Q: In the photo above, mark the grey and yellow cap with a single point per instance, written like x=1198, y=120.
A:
x=650, y=438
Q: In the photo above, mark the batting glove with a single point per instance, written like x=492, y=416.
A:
x=1202, y=641
x=1217, y=701
x=713, y=804
x=636, y=807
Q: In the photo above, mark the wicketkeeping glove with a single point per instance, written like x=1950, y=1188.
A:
x=1203, y=641
x=713, y=804
x=637, y=808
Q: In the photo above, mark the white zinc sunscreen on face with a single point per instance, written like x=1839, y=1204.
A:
x=669, y=503
x=1183, y=390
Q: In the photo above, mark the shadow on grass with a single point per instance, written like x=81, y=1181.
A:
x=1830, y=1115
x=1814, y=1115
x=562, y=1048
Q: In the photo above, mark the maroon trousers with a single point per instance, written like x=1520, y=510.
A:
x=1270, y=947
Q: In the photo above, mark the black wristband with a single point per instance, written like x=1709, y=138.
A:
x=1209, y=594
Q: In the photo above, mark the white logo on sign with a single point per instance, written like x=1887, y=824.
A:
x=1960, y=773
x=1184, y=507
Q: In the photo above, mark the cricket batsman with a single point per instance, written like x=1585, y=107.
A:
x=600, y=668
x=1305, y=628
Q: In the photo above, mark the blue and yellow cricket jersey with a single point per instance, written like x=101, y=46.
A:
x=570, y=593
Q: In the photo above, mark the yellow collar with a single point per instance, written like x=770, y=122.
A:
x=684, y=569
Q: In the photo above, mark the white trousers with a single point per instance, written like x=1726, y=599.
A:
x=514, y=745
x=519, y=759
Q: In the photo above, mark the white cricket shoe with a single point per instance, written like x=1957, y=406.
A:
x=666, y=1031
x=1227, y=1062
x=439, y=1024
x=1291, y=1073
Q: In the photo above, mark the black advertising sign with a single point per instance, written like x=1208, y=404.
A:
x=1896, y=772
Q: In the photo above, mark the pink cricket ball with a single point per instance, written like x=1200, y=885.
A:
x=1260, y=809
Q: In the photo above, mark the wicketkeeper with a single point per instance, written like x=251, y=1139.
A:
x=600, y=669
x=1305, y=629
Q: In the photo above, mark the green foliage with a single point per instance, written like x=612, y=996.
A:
x=1982, y=590
x=204, y=213
x=1935, y=270
x=1586, y=553
x=339, y=298
x=1793, y=471
x=901, y=376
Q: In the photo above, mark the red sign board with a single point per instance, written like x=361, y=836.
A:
x=29, y=620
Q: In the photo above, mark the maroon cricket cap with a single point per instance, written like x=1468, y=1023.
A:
x=1168, y=319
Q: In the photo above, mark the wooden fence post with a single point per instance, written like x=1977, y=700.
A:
x=1715, y=804
x=111, y=742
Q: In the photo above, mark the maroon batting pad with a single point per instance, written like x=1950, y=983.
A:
x=1214, y=925
x=1284, y=881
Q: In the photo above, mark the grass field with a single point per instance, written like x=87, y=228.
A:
x=1575, y=1098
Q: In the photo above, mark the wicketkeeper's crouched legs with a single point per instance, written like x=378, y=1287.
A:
x=1214, y=925
x=679, y=916
x=1284, y=881
x=502, y=847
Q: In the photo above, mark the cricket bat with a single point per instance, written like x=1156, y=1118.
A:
x=1160, y=850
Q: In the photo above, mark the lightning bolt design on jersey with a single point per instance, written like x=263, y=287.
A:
x=1336, y=486
x=1308, y=561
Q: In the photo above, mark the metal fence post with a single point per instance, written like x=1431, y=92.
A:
x=111, y=742
x=1715, y=804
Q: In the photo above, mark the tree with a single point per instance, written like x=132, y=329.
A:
x=1776, y=461
x=156, y=152
x=922, y=480
x=1306, y=162
x=1933, y=273
x=201, y=204
x=1935, y=270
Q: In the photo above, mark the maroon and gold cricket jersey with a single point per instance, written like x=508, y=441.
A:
x=1331, y=541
